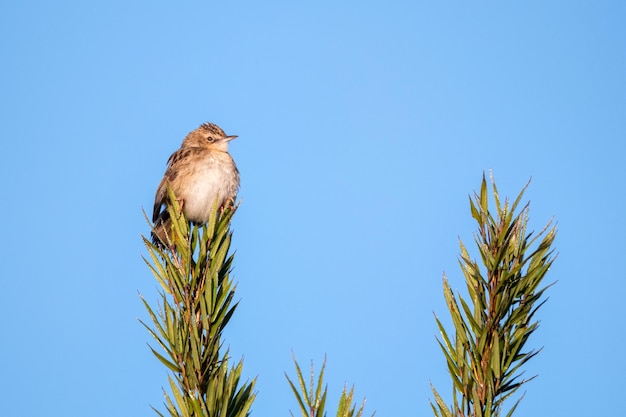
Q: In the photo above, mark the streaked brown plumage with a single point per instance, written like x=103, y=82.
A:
x=198, y=172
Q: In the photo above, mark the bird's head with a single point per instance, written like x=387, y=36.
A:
x=209, y=135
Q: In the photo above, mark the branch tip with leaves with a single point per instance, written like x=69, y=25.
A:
x=487, y=347
x=196, y=303
x=312, y=399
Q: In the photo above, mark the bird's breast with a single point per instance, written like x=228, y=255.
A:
x=215, y=177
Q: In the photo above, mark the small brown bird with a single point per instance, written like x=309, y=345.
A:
x=199, y=172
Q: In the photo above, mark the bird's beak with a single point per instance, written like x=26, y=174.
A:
x=229, y=138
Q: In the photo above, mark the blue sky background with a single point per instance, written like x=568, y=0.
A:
x=363, y=127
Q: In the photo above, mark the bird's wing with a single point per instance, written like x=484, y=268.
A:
x=174, y=163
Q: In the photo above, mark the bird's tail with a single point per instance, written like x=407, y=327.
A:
x=161, y=230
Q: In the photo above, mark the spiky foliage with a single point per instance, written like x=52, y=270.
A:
x=312, y=401
x=492, y=325
x=193, y=270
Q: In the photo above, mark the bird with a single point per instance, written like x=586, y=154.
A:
x=200, y=172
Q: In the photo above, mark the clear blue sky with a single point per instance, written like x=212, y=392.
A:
x=363, y=127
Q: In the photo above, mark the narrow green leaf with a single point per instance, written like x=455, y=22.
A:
x=299, y=398
x=443, y=408
x=173, y=367
x=320, y=381
x=483, y=195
